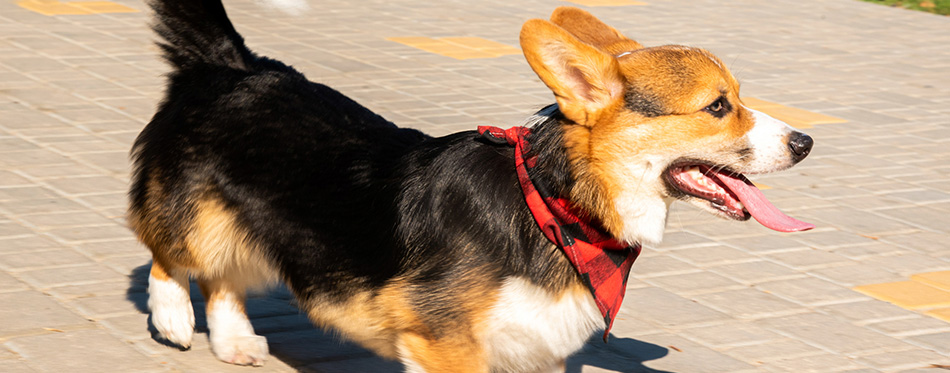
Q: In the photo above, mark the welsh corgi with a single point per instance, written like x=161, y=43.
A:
x=425, y=249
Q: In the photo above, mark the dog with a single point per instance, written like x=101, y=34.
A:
x=432, y=250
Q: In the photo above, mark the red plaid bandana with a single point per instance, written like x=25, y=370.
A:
x=602, y=261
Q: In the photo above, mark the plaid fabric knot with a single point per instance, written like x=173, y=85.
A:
x=603, y=262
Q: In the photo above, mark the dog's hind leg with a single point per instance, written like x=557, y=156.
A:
x=170, y=303
x=230, y=332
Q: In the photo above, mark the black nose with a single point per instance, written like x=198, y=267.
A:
x=800, y=145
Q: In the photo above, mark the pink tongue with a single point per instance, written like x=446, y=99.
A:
x=761, y=209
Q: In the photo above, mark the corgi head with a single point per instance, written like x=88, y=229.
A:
x=647, y=126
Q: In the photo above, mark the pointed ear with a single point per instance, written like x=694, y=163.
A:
x=592, y=31
x=585, y=80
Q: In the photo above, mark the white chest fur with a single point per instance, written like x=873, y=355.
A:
x=532, y=330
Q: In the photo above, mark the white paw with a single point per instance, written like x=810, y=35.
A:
x=174, y=325
x=241, y=349
x=172, y=313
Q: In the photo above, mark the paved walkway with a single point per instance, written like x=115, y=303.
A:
x=716, y=296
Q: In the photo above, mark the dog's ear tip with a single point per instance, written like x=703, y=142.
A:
x=566, y=10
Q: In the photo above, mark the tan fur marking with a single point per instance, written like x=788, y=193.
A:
x=372, y=321
x=458, y=354
x=159, y=273
x=215, y=291
x=222, y=248
x=152, y=224
x=388, y=320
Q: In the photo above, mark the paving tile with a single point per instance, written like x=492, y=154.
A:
x=756, y=272
x=44, y=313
x=83, y=350
x=9, y=283
x=730, y=335
x=748, y=303
x=675, y=240
x=908, y=294
x=870, y=250
x=71, y=292
x=693, y=283
x=940, y=313
x=25, y=244
x=816, y=363
x=766, y=244
x=907, y=263
x=84, y=185
x=940, y=279
x=864, y=311
x=596, y=3
x=12, y=230
x=858, y=274
x=69, y=219
x=810, y=291
x=16, y=366
x=712, y=255
x=660, y=265
x=683, y=354
x=832, y=334
x=939, y=342
x=810, y=259
x=916, y=325
x=129, y=327
x=43, y=278
x=105, y=249
x=40, y=259
x=666, y=309
x=96, y=233
x=924, y=217
x=773, y=350
x=905, y=360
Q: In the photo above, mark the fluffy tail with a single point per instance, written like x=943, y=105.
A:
x=197, y=32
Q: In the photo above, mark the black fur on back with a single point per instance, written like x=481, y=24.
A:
x=340, y=198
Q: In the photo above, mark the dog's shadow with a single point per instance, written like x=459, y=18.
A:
x=620, y=355
x=296, y=342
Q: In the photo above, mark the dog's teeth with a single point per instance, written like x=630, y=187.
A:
x=740, y=205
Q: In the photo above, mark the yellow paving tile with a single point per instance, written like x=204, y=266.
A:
x=756, y=104
x=908, y=294
x=940, y=313
x=461, y=48
x=936, y=279
x=58, y=8
x=605, y=2
x=413, y=40
x=795, y=117
x=470, y=55
x=474, y=43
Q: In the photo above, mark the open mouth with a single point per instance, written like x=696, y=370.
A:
x=732, y=194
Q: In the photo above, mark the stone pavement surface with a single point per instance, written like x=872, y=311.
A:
x=716, y=296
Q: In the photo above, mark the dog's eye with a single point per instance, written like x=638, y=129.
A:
x=718, y=108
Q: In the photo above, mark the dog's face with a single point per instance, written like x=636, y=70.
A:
x=654, y=125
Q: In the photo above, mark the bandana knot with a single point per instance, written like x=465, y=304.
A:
x=602, y=261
